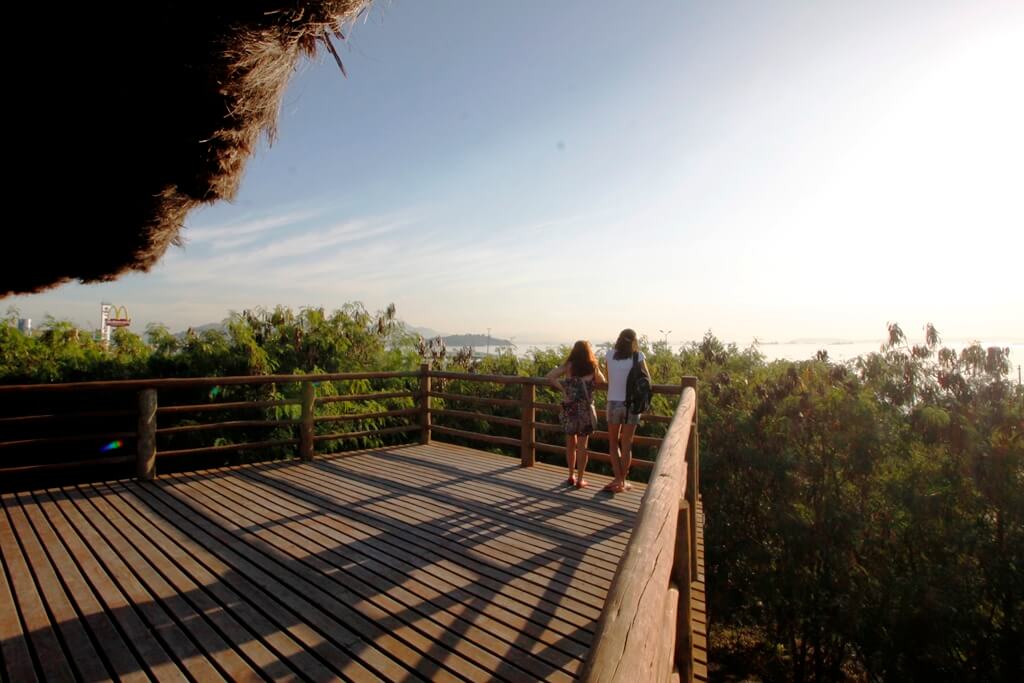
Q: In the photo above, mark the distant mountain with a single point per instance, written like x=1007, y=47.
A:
x=818, y=340
x=199, y=329
x=459, y=340
x=425, y=332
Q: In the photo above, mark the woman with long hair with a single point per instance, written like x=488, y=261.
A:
x=578, y=417
x=621, y=423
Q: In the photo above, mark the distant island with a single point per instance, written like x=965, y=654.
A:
x=460, y=340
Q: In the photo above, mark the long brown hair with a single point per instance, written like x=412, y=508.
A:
x=625, y=345
x=581, y=360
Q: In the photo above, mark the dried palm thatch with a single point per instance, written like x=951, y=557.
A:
x=146, y=115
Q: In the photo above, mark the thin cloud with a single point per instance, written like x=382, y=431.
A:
x=271, y=260
x=231, y=235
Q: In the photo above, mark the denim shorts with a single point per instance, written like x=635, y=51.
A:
x=617, y=414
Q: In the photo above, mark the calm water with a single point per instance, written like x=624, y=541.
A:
x=836, y=352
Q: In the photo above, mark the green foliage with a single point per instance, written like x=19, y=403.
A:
x=863, y=521
x=256, y=342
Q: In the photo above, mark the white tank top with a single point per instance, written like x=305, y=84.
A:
x=618, y=371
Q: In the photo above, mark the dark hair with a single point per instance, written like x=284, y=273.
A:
x=581, y=360
x=625, y=345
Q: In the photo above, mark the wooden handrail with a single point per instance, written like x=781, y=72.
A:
x=476, y=436
x=202, y=407
x=248, y=446
x=669, y=389
x=344, y=398
x=23, y=419
x=306, y=437
x=147, y=431
x=486, y=400
x=630, y=639
x=470, y=415
x=191, y=382
x=403, y=412
x=96, y=462
x=105, y=436
x=554, y=408
x=369, y=432
x=228, y=424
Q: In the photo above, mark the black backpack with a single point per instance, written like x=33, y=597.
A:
x=638, y=388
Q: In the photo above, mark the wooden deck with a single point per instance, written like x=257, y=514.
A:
x=428, y=562
x=698, y=600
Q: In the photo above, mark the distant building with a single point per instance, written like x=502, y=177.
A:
x=110, y=317
x=25, y=326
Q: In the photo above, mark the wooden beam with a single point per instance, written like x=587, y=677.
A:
x=626, y=641
x=145, y=443
x=425, y=403
x=306, y=450
x=528, y=434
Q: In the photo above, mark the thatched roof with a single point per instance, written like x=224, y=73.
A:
x=144, y=114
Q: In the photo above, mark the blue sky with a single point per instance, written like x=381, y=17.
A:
x=561, y=170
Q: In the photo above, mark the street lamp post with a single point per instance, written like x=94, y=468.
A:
x=488, y=341
x=666, y=333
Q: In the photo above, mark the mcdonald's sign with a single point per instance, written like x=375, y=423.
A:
x=117, y=316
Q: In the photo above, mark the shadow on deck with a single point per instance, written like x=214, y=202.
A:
x=432, y=562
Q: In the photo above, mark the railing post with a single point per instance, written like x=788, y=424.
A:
x=145, y=456
x=306, y=449
x=528, y=436
x=425, y=403
x=682, y=576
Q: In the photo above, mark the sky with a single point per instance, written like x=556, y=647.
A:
x=553, y=171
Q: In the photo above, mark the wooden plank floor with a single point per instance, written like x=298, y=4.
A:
x=423, y=562
x=698, y=605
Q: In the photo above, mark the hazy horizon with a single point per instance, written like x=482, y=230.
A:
x=521, y=339
x=781, y=172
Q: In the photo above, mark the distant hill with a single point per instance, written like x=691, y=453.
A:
x=818, y=340
x=459, y=340
x=425, y=332
x=450, y=340
x=199, y=329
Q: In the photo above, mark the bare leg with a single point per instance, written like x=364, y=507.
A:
x=613, y=451
x=627, y=450
x=581, y=459
x=570, y=454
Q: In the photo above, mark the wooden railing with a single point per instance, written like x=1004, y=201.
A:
x=528, y=407
x=645, y=632
x=142, y=421
x=148, y=410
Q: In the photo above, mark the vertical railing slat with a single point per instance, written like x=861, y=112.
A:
x=425, y=403
x=528, y=435
x=306, y=426
x=682, y=577
x=145, y=455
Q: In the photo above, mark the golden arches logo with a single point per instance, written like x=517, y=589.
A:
x=118, y=316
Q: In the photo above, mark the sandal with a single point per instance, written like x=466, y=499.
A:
x=582, y=484
x=612, y=487
x=571, y=481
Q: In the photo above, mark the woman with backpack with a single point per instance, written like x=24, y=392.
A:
x=623, y=417
x=578, y=417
